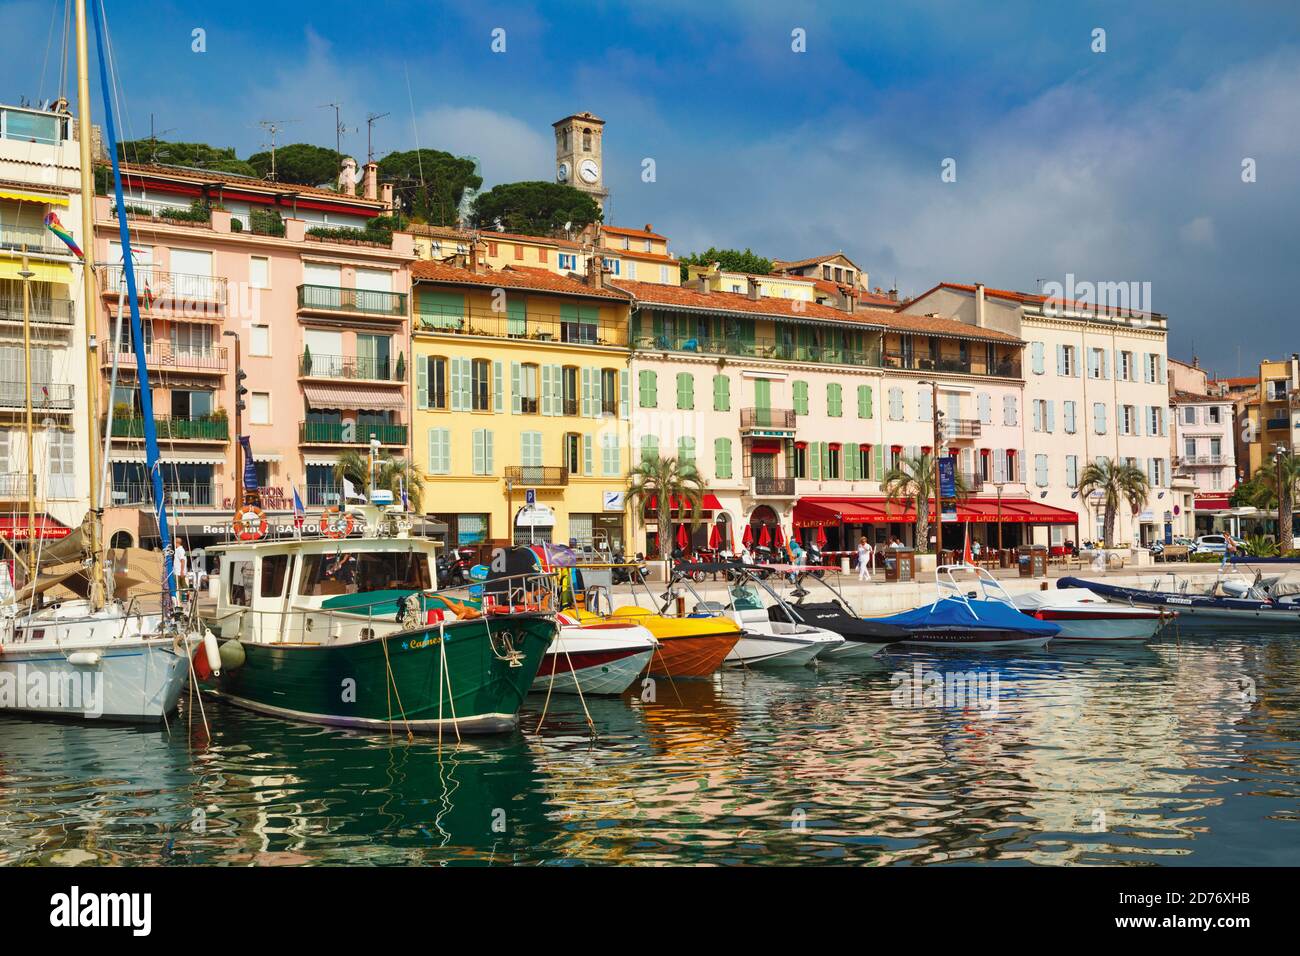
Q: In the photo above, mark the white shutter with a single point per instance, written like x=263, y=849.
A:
x=1060, y=360
x=421, y=381
x=1051, y=415
x=516, y=398
x=624, y=394
x=478, y=452
x=586, y=393
x=498, y=387
x=586, y=454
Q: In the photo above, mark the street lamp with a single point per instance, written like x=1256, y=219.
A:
x=240, y=392
x=936, y=417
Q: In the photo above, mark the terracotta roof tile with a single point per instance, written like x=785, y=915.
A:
x=936, y=325
x=669, y=296
x=243, y=182
x=803, y=263
x=1025, y=298
x=511, y=277
x=638, y=233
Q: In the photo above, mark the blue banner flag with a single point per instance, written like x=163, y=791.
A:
x=250, y=467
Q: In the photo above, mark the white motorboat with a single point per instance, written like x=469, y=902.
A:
x=603, y=657
x=1085, y=616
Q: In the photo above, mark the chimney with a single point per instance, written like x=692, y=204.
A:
x=596, y=272
x=473, y=254
x=386, y=194
x=649, y=228
x=979, y=305
x=371, y=186
x=850, y=300
x=754, y=290
x=893, y=295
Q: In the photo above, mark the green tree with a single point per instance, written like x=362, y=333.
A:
x=1262, y=491
x=911, y=481
x=662, y=480
x=430, y=183
x=732, y=260
x=1116, y=481
x=390, y=474
x=196, y=155
x=535, y=208
x=300, y=163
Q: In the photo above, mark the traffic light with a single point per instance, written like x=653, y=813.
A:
x=240, y=390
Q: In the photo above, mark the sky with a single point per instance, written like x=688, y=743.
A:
x=1115, y=165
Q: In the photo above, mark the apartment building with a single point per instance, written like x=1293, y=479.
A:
x=281, y=276
x=521, y=385
x=39, y=174
x=1276, y=412
x=1095, y=386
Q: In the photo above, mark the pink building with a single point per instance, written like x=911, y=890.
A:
x=1203, y=447
x=282, y=280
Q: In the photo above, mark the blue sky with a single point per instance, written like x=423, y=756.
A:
x=1115, y=166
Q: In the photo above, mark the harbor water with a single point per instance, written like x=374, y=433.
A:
x=1183, y=751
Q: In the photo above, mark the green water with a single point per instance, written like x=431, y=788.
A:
x=1150, y=755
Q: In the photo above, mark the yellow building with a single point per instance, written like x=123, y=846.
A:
x=521, y=383
x=1272, y=419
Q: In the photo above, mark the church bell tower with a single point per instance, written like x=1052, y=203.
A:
x=578, y=161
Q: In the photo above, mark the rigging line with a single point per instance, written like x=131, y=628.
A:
x=45, y=63
x=415, y=130
x=67, y=33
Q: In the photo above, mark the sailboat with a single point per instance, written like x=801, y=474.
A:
x=96, y=656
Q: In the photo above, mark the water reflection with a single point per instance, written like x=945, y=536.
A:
x=1183, y=751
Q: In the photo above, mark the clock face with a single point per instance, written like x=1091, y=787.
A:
x=562, y=174
x=589, y=171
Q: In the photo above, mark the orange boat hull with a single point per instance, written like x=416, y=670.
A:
x=692, y=655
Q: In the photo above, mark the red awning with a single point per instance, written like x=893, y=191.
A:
x=810, y=512
x=1212, y=503
x=15, y=526
x=708, y=502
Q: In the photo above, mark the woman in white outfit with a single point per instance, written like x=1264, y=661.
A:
x=864, y=559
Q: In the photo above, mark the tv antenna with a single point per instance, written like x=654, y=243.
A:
x=370, y=129
x=273, y=127
x=153, y=139
x=339, y=128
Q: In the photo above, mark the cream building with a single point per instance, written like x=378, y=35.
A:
x=40, y=173
x=1095, y=387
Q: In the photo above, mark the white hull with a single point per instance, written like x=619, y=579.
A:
x=1085, y=616
x=776, y=650
x=612, y=677
x=852, y=649
x=67, y=661
x=600, y=659
x=1103, y=629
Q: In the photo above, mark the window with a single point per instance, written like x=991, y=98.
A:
x=1009, y=411
x=259, y=340
x=1072, y=471
x=1155, y=420
x=568, y=261
x=1216, y=449
x=984, y=406
x=864, y=402
x=1097, y=363
x=864, y=461
x=831, y=462
x=1189, y=415
x=569, y=389
x=259, y=408
x=481, y=451
x=1069, y=409
x=530, y=449
x=834, y=400
x=663, y=275
x=722, y=457
x=573, y=453
x=721, y=393
x=895, y=404
x=1065, y=364
x=648, y=388
x=801, y=460
x=609, y=391
x=1154, y=368
x=686, y=450
x=685, y=390
x=436, y=370
x=801, y=398
x=62, y=454
x=611, y=265
x=479, y=386
x=275, y=568
x=924, y=405
x=1036, y=360
x=1040, y=470
x=259, y=272
x=526, y=389
x=649, y=448
x=352, y=572
x=1098, y=418
x=1127, y=419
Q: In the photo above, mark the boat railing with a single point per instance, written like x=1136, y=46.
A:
x=949, y=588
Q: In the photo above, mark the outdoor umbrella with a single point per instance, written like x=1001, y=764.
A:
x=747, y=539
x=715, y=538
x=778, y=539
x=764, y=537
x=683, y=537
x=821, y=537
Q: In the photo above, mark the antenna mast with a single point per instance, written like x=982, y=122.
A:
x=370, y=129
x=273, y=127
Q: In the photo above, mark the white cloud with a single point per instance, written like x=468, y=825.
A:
x=508, y=148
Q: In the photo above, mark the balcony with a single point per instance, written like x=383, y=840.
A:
x=328, y=298
x=1278, y=424
x=1006, y=367
x=183, y=292
x=179, y=429
x=42, y=311
x=955, y=429
x=311, y=365
x=542, y=476
x=324, y=496
x=161, y=355
x=764, y=487
x=195, y=494
x=771, y=419
x=36, y=239
x=341, y=433
x=13, y=486
x=44, y=397
x=759, y=348
x=972, y=481
x=535, y=326
x=1193, y=460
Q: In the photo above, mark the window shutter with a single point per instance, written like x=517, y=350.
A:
x=1050, y=406
x=649, y=388
x=516, y=388
x=624, y=394
x=498, y=387
x=1068, y=409
x=801, y=398
x=814, y=460
x=1099, y=418
x=456, y=405
x=422, y=382
x=488, y=465
x=834, y=400
x=879, y=461
x=1060, y=360
x=721, y=393
x=466, y=384
x=851, y=454
x=1040, y=470
x=864, y=401
x=722, y=457
x=586, y=393
x=433, y=459
x=686, y=450
x=826, y=459
x=1038, y=414
x=649, y=447
x=545, y=404
x=478, y=451
x=685, y=390
x=1036, y=356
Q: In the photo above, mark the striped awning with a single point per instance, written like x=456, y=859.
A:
x=22, y=195
x=352, y=396
x=177, y=458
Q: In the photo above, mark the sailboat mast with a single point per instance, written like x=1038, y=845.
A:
x=91, y=309
x=27, y=274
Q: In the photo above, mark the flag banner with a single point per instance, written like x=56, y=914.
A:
x=52, y=223
x=250, y=467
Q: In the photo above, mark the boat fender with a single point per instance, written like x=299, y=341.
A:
x=232, y=655
x=212, y=653
x=84, y=658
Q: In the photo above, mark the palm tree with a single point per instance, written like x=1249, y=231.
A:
x=1115, y=480
x=390, y=474
x=663, y=480
x=911, y=481
x=1262, y=491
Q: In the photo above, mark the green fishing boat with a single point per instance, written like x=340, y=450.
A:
x=349, y=631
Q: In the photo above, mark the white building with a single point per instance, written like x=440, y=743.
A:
x=1095, y=387
x=39, y=173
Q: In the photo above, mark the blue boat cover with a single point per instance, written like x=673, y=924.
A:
x=994, y=615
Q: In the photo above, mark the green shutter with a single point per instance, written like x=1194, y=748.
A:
x=624, y=394
x=722, y=457
x=421, y=382
x=516, y=317
x=686, y=450
x=878, y=462
x=498, y=387
x=762, y=393
x=834, y=400
x=801, y=398
x=850, y=454
x=685, y=390
x=649, y=387
x=649, y=447
x=864, y=401
x=440, y=310
x=516, y=397
x=826, y=460
x=721, y=393
x=815, y=460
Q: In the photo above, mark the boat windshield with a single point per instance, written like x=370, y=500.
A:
x=356, y=572
x=745, y=598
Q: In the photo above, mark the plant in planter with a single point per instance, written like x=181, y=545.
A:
x=400, y=371
x=306, y=360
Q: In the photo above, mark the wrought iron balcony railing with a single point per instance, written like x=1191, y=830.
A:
x=341, y=433
x=344, y=366
x=49, y=397
x=774, y=487
x=330, y=298
x=782, y=418
x=185, y=429
x=540, y=475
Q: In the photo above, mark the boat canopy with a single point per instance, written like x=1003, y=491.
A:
x=954, y=612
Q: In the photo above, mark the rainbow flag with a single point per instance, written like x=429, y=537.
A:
x=52, y=223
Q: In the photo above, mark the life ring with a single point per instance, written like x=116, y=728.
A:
x=245, y=518
x=332, y=528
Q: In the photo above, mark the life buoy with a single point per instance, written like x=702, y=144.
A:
x=250, y=523
x=335, y=523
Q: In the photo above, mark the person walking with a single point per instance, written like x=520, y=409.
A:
x=864, y=559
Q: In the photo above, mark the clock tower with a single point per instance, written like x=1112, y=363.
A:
x=578, y=155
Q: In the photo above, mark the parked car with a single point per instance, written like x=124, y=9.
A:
x=1211, y=544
